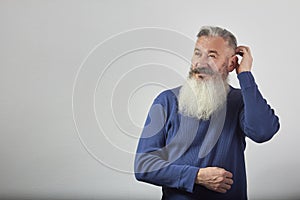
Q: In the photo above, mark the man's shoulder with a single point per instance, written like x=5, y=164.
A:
x=235, y=94
x=169, y=94
x=234, y=90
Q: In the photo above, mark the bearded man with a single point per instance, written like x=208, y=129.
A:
x=193, y=140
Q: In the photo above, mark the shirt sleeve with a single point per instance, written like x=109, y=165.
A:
x=151, y=160
x=257, y=119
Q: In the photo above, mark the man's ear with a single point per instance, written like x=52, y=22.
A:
x=233, y=63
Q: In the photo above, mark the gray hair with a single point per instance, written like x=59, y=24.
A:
x=215, y=31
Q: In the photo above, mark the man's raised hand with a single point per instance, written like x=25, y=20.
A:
x=246, y=62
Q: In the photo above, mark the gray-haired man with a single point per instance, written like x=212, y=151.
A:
x=193, y=141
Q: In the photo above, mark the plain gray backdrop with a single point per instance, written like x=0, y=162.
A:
x=77, y=79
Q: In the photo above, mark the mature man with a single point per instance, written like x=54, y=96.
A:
x=193, y=141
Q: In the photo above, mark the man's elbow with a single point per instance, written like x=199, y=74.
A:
x=139, y=171
x=140, y=176
x=265, y=134
x=261, y=138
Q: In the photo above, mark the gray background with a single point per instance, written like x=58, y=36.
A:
x=54, y=89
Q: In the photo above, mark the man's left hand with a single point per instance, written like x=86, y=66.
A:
x=246, y=62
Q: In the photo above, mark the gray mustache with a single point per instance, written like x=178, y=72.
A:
x=202, y=70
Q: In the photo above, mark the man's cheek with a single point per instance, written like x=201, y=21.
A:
x=213, y=66
x=194, y=61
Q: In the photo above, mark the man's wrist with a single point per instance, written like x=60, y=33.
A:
x=199, y=179
x=243, y=70
x=246, y=79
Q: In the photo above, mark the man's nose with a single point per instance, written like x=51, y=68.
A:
x=202, y=61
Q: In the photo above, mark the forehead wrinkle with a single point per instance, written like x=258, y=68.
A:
x=207, y=51
x=209, y=44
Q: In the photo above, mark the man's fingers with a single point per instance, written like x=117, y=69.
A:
x=225, y=186
x=241, y=50
x=228, y=181
x=228, y=174
x=221, y=190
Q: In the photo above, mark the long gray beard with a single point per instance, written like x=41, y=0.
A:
x=201, y=98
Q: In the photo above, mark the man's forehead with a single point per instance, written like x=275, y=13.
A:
x=207, y=44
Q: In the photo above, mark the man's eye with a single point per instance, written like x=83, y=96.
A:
x=197, y=53
x=212, y=56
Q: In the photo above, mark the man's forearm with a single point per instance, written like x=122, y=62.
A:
x=152, y=169
x=257, y=119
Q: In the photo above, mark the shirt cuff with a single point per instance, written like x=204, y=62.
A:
x=187, y=178
x=246, y=80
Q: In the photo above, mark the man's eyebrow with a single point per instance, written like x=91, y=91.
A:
x=210, y=51
x=213, y=51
